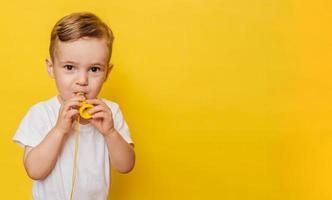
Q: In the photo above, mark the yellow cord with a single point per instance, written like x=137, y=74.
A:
x=83, y=112
x=75, y=158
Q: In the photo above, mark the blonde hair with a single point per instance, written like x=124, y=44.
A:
x=78, y=25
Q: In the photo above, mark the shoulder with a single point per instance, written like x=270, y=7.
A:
x=41, y=108
x=35, y=124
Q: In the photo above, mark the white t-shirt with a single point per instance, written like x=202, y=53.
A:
x=93, y=163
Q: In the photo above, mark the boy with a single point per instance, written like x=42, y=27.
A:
x=80, y=51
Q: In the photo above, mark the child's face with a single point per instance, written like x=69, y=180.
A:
x=80, y=66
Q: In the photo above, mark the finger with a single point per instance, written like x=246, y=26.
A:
x=70, y=114
x=96, y=109
x=77, y=98
x=95, y=102
x=99, y=115
x=72, y=105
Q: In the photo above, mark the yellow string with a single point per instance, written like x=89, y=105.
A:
x=75, y=157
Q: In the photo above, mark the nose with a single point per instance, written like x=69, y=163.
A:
x=82, y=79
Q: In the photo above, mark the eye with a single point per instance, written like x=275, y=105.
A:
x=95, y=69
x=68, y=67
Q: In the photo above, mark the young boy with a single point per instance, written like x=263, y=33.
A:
x=80, y=51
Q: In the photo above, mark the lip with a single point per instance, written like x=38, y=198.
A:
x=84, y=92
x=81, y=93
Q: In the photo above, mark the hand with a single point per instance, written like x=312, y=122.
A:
x=101, y=116
x=68, y=114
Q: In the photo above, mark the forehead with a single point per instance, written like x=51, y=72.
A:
x=83, y=51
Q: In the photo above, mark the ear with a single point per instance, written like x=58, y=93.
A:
x=109, y=68
x=50, y=69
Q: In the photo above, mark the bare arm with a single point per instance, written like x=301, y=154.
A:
x=39, y=161
x=121, y=153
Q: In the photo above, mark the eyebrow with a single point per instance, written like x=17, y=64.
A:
x=100, y=64
x=72, y=62
x=68, y=61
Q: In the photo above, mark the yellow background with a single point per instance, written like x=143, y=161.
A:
x=225, y=99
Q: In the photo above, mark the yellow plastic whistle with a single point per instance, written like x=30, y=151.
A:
x=83, y=110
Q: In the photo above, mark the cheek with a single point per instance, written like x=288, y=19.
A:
x=96, y=85
x=63, y=82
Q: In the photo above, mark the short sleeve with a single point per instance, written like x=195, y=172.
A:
x=32, y=128
x=121, y=125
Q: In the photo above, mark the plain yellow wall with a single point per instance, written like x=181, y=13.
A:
x=225, y=99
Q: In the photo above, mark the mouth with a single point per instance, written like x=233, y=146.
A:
x=80, y=93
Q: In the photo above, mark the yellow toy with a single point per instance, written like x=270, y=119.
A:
x=84, y=109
